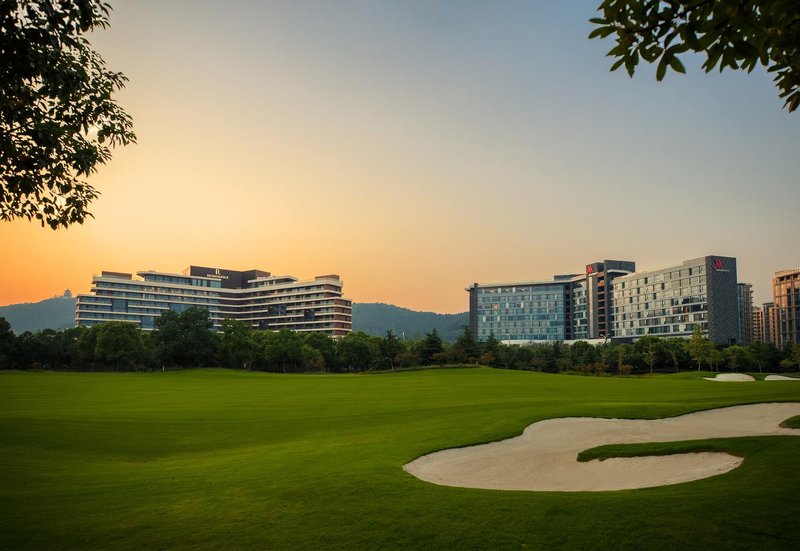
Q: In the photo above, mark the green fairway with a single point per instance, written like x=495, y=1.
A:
x=230, y=460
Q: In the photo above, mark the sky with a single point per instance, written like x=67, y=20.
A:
x=415, y=147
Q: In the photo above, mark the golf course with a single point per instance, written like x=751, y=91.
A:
x=223, y=459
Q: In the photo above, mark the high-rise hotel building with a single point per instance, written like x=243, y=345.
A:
x=568, y=307
x=745, y=307
x=611, y=300
x=256, y=297
x=786, y=299
x=673, y=301
x=763, y=322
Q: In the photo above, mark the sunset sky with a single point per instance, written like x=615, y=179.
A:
x=415, y=147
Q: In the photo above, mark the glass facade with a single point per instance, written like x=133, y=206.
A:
x=523, y=312
x=570, y=307
x=580, y=310
x=744, y=301
x=611, y=300
x=668, y=302
x=786, y=309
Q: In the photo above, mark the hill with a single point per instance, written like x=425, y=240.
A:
x=377, y=318
x=53, y=313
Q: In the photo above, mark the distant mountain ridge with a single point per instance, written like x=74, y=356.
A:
x=372, y=318
x=377, y=318
x=53, y=313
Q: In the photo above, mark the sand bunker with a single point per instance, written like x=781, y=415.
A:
x=544, y=457
x=731, y=378
x=780, y=378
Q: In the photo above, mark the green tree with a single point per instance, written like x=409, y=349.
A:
x=700, y=347
x=491, y=346
x=581, y=353
x=609, y=355
x=791, y=360
x=58, y=117
x=675, y=348
x=185, y=339
x=542, y=357
x=715, y=358
x=763, y=355
x=236, y=346
x=119, y=345
x=284, y=349
x=466, y=348
x=86, y=345
x=325, y=345
x=46, y=349
x=312, y=358
x=356, y=351
x=735, y=34
x=6, y=344
x=429, y=346
x=736, y=357
x=390, y=346
x=512, y=356
x=650, y=349
x=625, y=355
x=69, y=339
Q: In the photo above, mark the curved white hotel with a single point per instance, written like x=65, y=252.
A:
x=259, y=298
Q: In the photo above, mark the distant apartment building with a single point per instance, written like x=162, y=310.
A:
x=258, y=298
x=672, y=301
x=761, y=322
x=572, y=306
x=744, y=302
x=786, y=298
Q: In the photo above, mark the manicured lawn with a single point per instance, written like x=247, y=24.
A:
x=226, y=460
x=792, y=422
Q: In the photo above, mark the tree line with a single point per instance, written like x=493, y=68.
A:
x=185, y=340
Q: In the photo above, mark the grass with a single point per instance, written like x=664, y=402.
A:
x=657, y=449
x=219, y=459
x=792, y=423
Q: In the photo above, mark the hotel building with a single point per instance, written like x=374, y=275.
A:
x=786, y=298
x=673, y=301
x=762, y=328
x=568, y=307
x=256, y=297
x=745, y=308
x=611, y=300
x=592, y=296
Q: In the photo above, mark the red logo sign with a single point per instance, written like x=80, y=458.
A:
x=589, y=269
x=718, y=263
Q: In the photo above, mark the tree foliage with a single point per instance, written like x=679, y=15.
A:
x=700, y=348
x=119, y=344
x=236, y=346
x=187, y=340
x=58, y=116
x=390, y=346
x=734, y=34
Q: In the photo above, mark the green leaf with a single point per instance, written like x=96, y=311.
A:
x=676, y=65
x=601, y=32
x=662, y=68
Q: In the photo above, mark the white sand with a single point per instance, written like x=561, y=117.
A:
x=544, y=457
x=731, y=378
x=780, y=378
